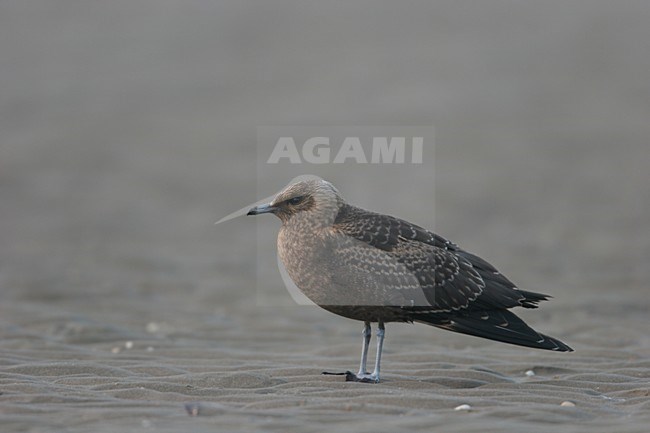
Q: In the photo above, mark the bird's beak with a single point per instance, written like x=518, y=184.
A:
x=263, y=208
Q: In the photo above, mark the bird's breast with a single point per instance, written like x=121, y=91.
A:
x=304, y=254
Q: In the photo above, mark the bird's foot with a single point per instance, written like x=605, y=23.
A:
x=359, y=377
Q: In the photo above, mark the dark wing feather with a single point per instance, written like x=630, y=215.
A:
x=450, y=278
x=498, y=325
x=384, y=231
x=448, y=281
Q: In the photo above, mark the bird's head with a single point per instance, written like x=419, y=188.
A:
x=315, y=198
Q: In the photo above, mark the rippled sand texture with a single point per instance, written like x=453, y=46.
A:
x=127, y=129
x=61, y=372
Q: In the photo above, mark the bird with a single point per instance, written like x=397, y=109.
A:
x=378, y=268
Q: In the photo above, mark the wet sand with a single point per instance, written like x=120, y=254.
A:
x=124, y=308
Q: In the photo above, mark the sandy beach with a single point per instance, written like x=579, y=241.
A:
x=253, y=371
x=127, y=130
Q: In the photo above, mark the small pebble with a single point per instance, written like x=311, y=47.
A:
x=115, y=350
x=153, y=327
x=146, y=423
x=149, y=348
x=568, y=403
x=128, y=345
x=530, y=373
x=463, y=407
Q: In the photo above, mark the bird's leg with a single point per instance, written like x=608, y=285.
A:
x=362, y=376
x=366, y=333
x=381, y=331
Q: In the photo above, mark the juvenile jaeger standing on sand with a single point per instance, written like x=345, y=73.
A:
x=377, y=269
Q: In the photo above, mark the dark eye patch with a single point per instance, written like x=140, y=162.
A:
x=295, y=200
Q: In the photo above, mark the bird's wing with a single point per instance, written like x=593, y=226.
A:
x=448, y=281
x=450, y=278
x=370, y=276
x=420, y=268
x=384, y=231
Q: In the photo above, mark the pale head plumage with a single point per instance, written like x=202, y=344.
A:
x=316, y=199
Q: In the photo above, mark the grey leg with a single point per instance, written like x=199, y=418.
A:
x=381, y=331
x=366, y=333
x=362, y=375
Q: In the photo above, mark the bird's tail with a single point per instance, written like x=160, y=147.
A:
x=498, y=325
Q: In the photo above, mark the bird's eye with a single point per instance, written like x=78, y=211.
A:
x=295, y=200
